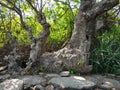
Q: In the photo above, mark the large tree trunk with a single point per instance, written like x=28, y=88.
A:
x=75, y=55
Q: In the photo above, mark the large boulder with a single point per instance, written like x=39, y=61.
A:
x=73, y=83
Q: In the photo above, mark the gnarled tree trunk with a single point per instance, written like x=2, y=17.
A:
x=75, y=55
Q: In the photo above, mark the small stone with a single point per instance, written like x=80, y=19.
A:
x=65, y=74
x=58, y=87
x=49, y=87
x=105, y=87
x=109, y=84
x=100, y=80
x=38, y=87
x=3, y=68
x=112, y=83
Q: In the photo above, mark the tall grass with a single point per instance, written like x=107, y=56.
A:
x=105, y=58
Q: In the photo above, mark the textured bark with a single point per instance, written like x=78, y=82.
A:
x=76, y=53
x=38, y=44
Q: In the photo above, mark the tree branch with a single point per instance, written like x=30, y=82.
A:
x=42, y=20
x=61, y=2
x=97, y=8
x=18, y=11
x=7, y=30
x=70, y=9
x=4, y=5
x=103, y=6
x=100, y=23
x=68, y=4
x=40, y=15
x=34, y=8
x=38, y=45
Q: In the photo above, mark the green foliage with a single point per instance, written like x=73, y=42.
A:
x=105, y=58
x=72, y=71
x=60, y=18
x=61, y=21
x=41, y=69
x=79, y=62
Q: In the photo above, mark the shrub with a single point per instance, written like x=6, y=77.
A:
x=105, y=58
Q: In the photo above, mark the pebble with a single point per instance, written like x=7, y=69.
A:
x=107, y=86
x=65, y=74
x=3, y=68
x=49, y=87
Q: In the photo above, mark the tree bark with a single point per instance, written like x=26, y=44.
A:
x=76, y=54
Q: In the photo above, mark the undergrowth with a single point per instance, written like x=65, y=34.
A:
x=105, y=58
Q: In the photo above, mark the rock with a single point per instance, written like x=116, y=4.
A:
x=57, y=87
x=49, y=87
x=111, y=75
x=72, y=82
x=56, y=82
x=12, y=84
x=3, y=68
x=102, y=81
x=53, y=87
x=32, y=80
x=105, y=87
x=65, y=74
x=42, y=74
x=3, y=72
x=112, y=83
x=37, y=87
x=118, y=78
x=3, y=77
x=52, y=75
x=95, y=78
x=1, y=63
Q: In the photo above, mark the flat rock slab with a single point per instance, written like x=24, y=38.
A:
x=73, y=82
x=32, y=80
x=56, y=82
x=51, y=75
x=12, y=84
x=104, y=82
